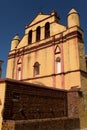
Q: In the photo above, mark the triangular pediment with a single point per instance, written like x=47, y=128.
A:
x=57, y=49
x=38, y=18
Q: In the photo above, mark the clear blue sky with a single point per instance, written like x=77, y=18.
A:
x=16, y=14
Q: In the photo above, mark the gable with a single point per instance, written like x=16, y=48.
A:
x=38, y=18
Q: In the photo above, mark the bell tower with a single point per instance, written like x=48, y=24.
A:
x=73, y=18
x=11, y=61
x=77, y=62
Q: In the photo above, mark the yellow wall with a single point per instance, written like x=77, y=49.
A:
x=71, y=53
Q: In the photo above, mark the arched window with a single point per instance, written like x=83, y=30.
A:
x=38, y=34
x=19, y=70
x=30, y=37
x=47, y=30
x=19, y=73
x=58, y=65
x=36, y=69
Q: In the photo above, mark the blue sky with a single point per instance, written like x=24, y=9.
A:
x=15, y=15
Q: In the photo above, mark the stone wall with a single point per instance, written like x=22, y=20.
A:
x=73, y=99
x=29, y=101
x=29, y=106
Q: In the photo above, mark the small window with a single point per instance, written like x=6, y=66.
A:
x=47, y=30
x=38, y=34
x=19, y=73
x=30, y=37
x=58, y=65
x=19, y=68
x=36, y=68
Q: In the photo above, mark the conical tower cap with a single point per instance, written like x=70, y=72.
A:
x=16, y=37
x=72, y=11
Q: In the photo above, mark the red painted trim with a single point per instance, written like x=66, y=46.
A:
x=54, y=78
x=63, y=81
x=76, y=49
x=16, y=68
x=35, y=59
x=0, y=102
x=22, y=66
x=62, y=67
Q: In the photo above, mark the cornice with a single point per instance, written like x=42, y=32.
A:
x=53, y=40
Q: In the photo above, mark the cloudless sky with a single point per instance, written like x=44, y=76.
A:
x=16, y=14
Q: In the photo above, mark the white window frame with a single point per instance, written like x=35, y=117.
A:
x=58, y=65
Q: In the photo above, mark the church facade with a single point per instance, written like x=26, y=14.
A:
x=50, y=53
x=46, y=78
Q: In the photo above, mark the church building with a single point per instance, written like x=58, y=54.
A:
x=46, y=79
x=49, y=53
